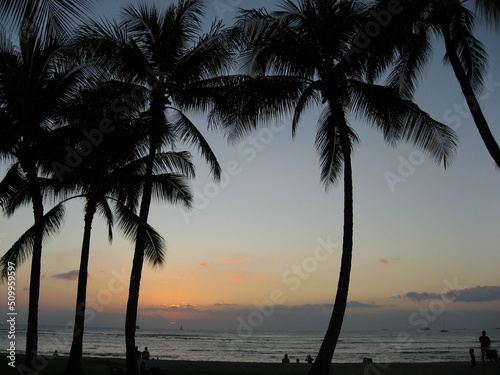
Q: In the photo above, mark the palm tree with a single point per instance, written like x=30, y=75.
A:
x=454, y=22
x=163, y=54
x=113, y=173
x=298, y=57
x=37, y=80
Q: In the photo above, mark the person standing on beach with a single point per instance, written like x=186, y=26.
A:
x=472, y=357
x=145, y=354
x=485, y=344
x=285, y=359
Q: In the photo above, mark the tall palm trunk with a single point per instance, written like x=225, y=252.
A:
x=323, y=360
x=36, y=267
x=135, y=276
x=75, y=356
x=471, y=99
x=137, y=263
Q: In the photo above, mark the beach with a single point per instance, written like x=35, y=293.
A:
x=103, y=366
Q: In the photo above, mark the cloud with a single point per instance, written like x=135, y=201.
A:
x=234, y=259
x=475, y=294
x=389, y=260
x=203, y=264
x=226, y=304
x=182, y=307
x=360, y=305
x=71, y=275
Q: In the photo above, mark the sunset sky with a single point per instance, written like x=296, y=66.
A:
x=426, y=239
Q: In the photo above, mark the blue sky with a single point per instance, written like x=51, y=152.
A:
x=270, y=226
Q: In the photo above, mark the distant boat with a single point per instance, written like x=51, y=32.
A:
x=444, y=328
x=181, y=328
x=425, y=329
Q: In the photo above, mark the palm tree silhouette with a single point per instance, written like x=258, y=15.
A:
x=113, y=174
x=301, y=56
x=38, y=79
x=163, y=54
x=411, y=32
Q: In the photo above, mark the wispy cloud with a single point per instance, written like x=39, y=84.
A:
x=360, y=305
x=181, y=307
x=71, y=275
x=389, y=260
x=226, y=304
x=203, y=264
x=234, y=259
x=475, y=294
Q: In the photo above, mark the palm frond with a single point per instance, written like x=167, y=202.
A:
x=55, y=17
x=105, y=210
x=172, y=188
x=13, y=190
x=309, y=96
x=188, y=133
x=128, y=223
x=401, y=120
x=212, y=56
x=329, y=147
x=21, y=250
x=490, y=11
x=253, y=101
x=412, y=59
x=179, y=162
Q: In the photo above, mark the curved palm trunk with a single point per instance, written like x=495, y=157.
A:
x=75, y=356
x=321, y=365
x=36, y=268
x=136, y=273
x=472, y=100
x=137, y=264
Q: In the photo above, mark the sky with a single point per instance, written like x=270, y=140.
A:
x=261, y=250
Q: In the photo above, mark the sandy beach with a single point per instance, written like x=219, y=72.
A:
x=102, y=366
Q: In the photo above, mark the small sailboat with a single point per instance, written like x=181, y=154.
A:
x=444, y=328
x=181, y=328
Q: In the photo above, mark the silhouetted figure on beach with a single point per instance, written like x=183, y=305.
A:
x=145, y=354
x=309, y=359
x=285, y=359
x=485, y=344
x=140, y=362
x=472, y=357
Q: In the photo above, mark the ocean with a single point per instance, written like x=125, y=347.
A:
x=382, y=346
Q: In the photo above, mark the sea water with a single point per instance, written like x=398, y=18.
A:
x=382, y=346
